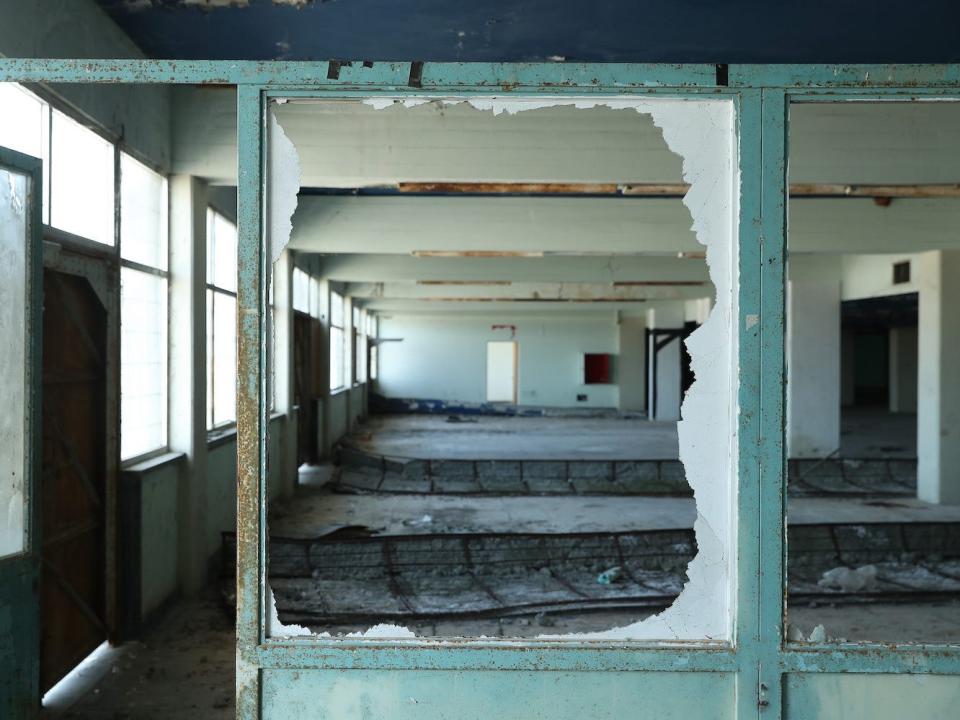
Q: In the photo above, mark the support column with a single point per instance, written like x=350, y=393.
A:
x=664, y=365
x=188, y=371
x=631, y=364
x=903, y=370
x=813, y=356
x=938, y=386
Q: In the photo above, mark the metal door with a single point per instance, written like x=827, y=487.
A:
x=20, y=307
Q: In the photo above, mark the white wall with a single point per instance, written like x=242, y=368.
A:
x=871, y=276
x=443, y=356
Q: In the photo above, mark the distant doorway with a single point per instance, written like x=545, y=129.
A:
x=502, y=371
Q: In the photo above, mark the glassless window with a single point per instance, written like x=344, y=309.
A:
x=221, y=320
x=81, y=181
x=143, y=309
x=337, y=374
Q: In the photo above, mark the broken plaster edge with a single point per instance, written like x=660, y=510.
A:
x=702, y=133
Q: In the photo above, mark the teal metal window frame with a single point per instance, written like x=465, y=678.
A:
x=759, y=656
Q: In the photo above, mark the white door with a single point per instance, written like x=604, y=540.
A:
x=502, y=371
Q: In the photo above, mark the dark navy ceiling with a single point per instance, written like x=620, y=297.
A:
x=736, y=31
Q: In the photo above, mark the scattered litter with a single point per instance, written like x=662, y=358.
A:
x=460, y=419
x=610, y=576
x=850, y=581
x=425, y=520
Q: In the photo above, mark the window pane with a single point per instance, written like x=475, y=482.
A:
x=224, y=358
x=374, y=355
x=14, y=298
x=221, y=251
x=210, y=294
x=81, y=181
x=301, y=291
x=143, y=363
x=336, y=357
x=143, y=214
x=336, y=309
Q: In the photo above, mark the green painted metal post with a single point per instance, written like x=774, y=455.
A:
x=252, y=403
x=773, y=227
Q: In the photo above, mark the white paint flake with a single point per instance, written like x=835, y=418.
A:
x=283, y=184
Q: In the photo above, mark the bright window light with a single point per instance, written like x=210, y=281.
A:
x=337, y=345
x=221, y=320
x=143, y=362
x=81, y=181
x=301, y=291
x=25, y=126
x=143, y=214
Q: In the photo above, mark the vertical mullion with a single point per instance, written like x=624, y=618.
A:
x=251, y=405
x=772, y=392
x=749, y=348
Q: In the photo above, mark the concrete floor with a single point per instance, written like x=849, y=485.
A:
x=483, y=437
x=313, y=510
x=865, y=433
x=183, y=668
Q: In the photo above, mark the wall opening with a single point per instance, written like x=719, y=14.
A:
x=502, y=361
x=461, y=492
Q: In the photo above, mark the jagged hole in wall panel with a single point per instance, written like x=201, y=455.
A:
x=456, y=268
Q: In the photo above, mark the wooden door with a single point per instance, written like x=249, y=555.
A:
x=74, y=473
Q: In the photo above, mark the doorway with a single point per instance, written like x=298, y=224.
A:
x=502, y=371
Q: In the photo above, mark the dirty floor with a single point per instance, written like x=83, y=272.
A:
x=865, y=433
x=182, y=668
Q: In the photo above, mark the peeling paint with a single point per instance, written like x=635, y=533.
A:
x=702, y=133
x=283, y=185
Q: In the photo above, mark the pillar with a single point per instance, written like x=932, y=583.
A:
x=903, y=370
x=664, y=366
x=938, y=385
x=631, y=363
x=813, y=356
x=188, y=371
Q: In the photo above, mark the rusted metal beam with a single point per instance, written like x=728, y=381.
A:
x=948, y=190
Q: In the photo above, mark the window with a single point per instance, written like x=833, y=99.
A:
x=374, y=349
x=359, y=347
x=901, y=272
x=337, y=374
x=301, y=291
x=25, y=127
x=81, y=181
x=221, y=320
x=143, y=309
